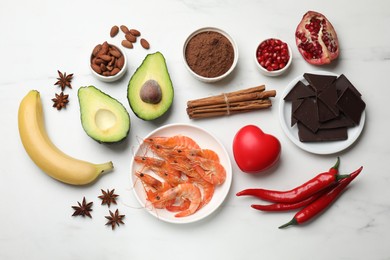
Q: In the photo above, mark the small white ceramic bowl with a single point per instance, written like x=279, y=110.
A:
x=274, y=72
x=235, y=49
x=114, y=77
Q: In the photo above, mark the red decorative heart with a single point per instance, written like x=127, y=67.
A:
x=254, y=150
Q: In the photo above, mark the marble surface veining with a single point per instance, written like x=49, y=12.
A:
x=40, y=37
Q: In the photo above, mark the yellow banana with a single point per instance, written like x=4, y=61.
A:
x=45, y=154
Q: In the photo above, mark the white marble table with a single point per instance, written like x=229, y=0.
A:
x=39, y=37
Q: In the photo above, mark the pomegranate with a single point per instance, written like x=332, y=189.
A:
x=316, y=39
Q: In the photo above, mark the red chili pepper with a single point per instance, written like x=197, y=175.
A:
x=301, y=192
x=291, y=206
x=323, y=202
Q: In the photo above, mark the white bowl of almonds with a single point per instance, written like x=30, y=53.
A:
x=108, y=62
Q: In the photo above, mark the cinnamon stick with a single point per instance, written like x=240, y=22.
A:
x=197, y=114
x=231, y=103
x=246, y=94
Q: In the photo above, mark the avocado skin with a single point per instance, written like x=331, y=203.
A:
x=136, y=104
x=124, y=111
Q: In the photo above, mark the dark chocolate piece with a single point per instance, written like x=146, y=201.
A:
x=352, y=105
x=294, y=106
x=300, y=90
x=342, y=83
x=322, y=135
x=307, y=114
x=340, y=121
x=319, y=82
x=329, y=97
x=324, y=113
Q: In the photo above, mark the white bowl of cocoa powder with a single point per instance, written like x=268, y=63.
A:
x=108, y=62
x=210, y=54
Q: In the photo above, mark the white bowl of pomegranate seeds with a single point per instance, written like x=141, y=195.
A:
x=273, y=57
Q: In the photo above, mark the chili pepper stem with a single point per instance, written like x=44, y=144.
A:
x=337, y=164
x=342, y=176
x=291, y=222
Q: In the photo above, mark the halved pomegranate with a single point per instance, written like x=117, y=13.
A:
x=316, y=39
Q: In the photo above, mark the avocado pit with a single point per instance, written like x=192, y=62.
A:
x=151, y=92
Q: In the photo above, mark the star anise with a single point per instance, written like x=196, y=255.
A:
x=83, y=209
x=114, y=219
x=60, y=101
x=64, y=80
x=108, y=197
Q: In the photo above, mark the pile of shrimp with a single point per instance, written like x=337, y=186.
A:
x=179, y=176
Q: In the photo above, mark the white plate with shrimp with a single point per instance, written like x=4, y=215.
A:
x=206, y=142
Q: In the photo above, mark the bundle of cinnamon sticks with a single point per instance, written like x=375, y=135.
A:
x=231, y=103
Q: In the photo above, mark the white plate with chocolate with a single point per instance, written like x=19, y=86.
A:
x=322, y=112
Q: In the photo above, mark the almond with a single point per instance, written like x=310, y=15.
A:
x=113, y=48
x=135, y=32
x=105, y=57
x=98, y=61
x=96, y=49
x=145, y=44
x=103, y=50
x=96, y=68
x=130, y=37
x=103, y=67
x=112, y=61
x=115, y=71
x=127, y=44
x=124, y=29
x=115, y=53
x=120, y=62
x=114, y=31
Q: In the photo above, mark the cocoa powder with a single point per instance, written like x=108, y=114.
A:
x=209, y=54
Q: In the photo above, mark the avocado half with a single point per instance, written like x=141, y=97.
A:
x=150, y=91
x=103, y=117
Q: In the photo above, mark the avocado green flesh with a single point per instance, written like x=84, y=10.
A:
x=152, y=68
x=103, y=118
